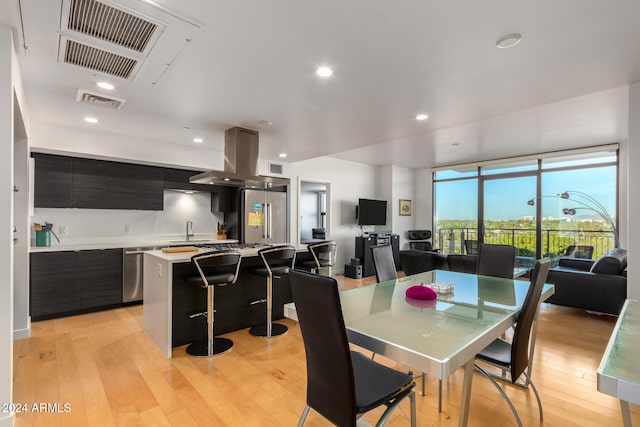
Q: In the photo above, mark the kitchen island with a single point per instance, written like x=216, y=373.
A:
x=169, y=301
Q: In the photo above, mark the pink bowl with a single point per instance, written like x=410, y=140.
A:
x=421, y=292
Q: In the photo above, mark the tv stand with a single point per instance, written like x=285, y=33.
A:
x=363, y=250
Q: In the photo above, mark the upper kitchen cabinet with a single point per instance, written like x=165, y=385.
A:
x=122, y=186
x=52, y=186
x=70, y=182
x=150, y=188
x=178, y=179
x=225, y=199
x=89, y=187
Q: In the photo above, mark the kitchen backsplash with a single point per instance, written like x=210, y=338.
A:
x=74, y=226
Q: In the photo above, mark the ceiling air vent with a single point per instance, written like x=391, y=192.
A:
x=99, y=20
x=100, y=60
x=91, y=98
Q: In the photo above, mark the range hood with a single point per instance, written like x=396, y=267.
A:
x=240, y=163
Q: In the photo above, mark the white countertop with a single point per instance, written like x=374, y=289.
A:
x=83, y=246
x=174, y=257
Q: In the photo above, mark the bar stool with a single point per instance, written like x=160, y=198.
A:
x=277, y=261
x=324, y=255
x=215, y=269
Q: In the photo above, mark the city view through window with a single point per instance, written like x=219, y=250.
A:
x=577, y=204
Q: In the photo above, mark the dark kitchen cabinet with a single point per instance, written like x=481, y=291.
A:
x=100, y=278
x=178, y=179
x=150, y=188
x=52, y=183
x=89, y=181
x=225, y=199
x=72, y=282
x=122, y=186
x=54, y=283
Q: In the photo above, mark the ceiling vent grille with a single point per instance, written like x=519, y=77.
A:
x=275, y=168
x=100, y=60
x=104, y=22
x=87, y=97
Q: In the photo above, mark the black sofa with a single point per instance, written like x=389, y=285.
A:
x=599, y=285
x=414, y=262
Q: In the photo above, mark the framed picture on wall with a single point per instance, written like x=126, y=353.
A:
x=405, y=207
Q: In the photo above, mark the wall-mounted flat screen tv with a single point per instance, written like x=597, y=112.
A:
x=372, y=212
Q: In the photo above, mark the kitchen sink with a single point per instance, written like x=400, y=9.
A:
x=187, y=242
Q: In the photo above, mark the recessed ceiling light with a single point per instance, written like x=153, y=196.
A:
x=510, y=40
x=422, y=117
x=198, y=140
x=283, y=155
x=189, y=192
x=226, y=179
x=265, y=123
x=91, y=120
x=105, y=85
x=324, y=71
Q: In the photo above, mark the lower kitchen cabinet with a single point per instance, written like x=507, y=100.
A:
x=54, y=283
x=65, y=283
x=100, y=278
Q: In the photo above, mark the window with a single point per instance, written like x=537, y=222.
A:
x=543, y=205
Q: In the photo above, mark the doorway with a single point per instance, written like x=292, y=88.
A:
x=313, y=211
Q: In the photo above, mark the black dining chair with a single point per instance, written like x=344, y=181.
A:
x=383, y=263
x=496, y=260
x=471, y=247
x=516, y=357
x=342, y=385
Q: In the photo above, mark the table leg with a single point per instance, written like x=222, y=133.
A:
x=466, y=393
x=626, y=413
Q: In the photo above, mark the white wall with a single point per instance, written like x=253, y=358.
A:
x=58, y=139
x=392, y=184
x=633, y=193
x=6, y=219
x=114, y=225
x=423, y=204
x=348, y=181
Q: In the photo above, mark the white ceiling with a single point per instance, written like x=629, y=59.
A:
x=563, y=86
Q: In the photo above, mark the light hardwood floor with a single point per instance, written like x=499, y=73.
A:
x=110, y=373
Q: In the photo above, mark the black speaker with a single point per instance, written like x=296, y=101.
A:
x=353, y=271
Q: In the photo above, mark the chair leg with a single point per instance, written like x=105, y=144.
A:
x=212, y=345
x=535, y=391
x=439, y=395
x=303, y=417
x=269, y=329
x=504, y=395
x=390, y=407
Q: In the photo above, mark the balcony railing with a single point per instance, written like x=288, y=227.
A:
x=555, y=241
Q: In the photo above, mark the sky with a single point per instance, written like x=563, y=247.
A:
x=506, y=199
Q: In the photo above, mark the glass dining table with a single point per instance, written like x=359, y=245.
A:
x=439, y=336
x=619, y=374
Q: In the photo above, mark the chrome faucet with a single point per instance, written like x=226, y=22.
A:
x=189, y=229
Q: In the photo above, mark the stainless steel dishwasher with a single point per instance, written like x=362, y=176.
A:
x=133, y=273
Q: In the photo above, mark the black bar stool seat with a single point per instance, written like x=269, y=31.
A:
x=323, y=255
x=277, y=261
x=214, y=269
x=222, y=278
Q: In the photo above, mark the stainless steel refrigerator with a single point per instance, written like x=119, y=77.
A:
x=264, y=217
